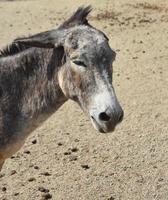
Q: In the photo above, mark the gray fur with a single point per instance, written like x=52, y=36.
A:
x=39, y=73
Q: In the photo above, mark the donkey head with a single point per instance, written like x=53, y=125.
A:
x=86, y=74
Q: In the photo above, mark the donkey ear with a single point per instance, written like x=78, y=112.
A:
x=48, y=39
x=78, y=18
x=55, y=38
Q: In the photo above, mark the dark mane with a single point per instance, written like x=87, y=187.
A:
x=12, y=49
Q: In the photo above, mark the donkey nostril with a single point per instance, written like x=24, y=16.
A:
x=104, y=117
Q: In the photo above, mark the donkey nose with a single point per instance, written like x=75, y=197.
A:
x=117, y=117
x=120, y=116
x=104, y=117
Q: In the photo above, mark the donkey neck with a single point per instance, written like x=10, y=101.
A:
x=47, y=95
x=34, y=77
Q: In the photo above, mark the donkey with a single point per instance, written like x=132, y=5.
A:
x=41, y=72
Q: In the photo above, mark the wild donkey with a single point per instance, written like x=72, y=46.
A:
x=40, y=73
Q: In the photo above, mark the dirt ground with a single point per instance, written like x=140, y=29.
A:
x=66, y=159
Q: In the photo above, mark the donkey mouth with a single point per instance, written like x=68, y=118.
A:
x=102, y=128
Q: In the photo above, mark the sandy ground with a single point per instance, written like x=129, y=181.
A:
x=66, y=155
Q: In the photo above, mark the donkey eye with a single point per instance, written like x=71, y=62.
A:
x=80, y=63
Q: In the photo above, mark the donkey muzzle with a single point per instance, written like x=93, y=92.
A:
x=105, y=110
x=106, y=120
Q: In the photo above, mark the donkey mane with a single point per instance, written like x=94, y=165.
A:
x=12, y=49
